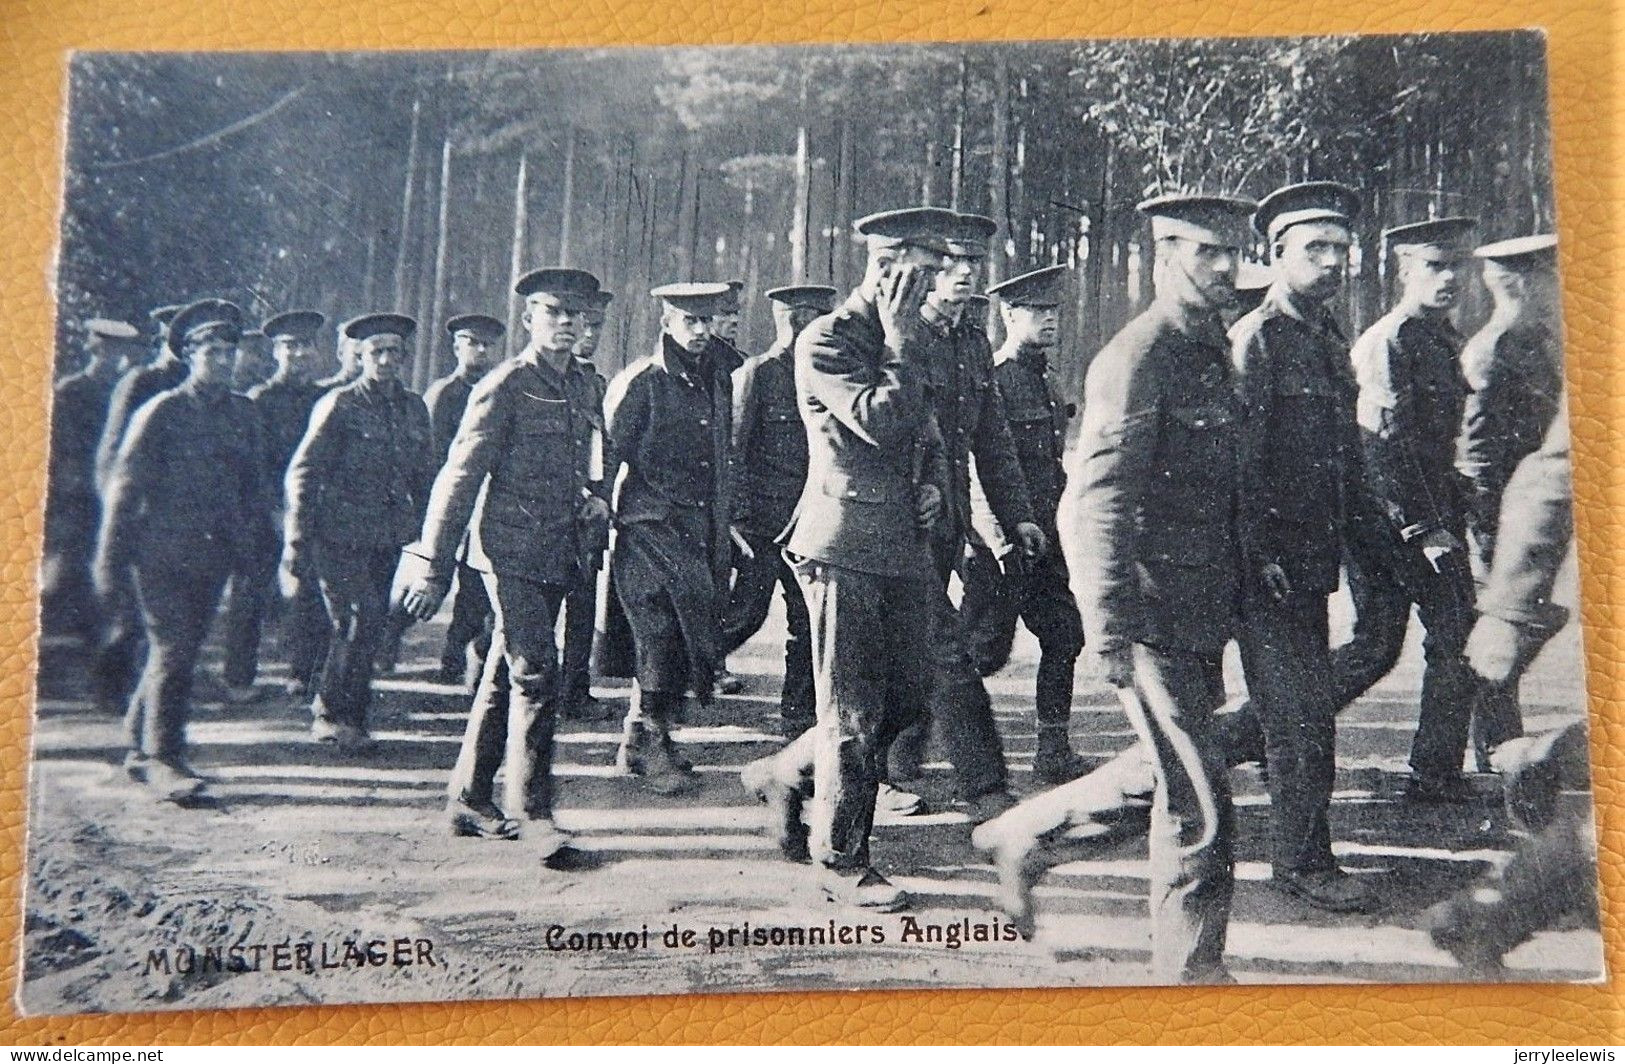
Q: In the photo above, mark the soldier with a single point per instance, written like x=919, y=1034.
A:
x=971, y=417
x=283, y=404
x=184, y=506
x=348, y=352
x=581, y=604
x=474, y=338
x=726, y=330
x=117, y=661
x=519, y=482
x=356, y=489
x=859, y=543
x=78, y=411
x=1148, y=523
x=1002, y=584
x=667, y=419
x=254, y=364
x=1411, y=397
x=1514, y=372
x=770, y=454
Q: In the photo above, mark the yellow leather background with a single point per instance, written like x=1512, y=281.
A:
x=1585, y=55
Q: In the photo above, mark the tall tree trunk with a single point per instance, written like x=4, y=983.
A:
x=840, y=227
x=956, y=176
x=686, y=195
x=400, y=282
x=568, y=197
x=516, y=249
x=802, y=209
x=437, y=301
x=999, y=175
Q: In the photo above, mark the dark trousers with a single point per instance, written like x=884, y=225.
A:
x=1286, y=657
x=115, y=666
x=515, y=706
x=868, y=654
x=175, y=607
x=470, y=625
x=304, y=633
x=355, y=589
x=748, y=603
x=252, y=598
x=1040, y=597
x=580, y=617
x=1497, y=712
x=961, y=713
x=67, y=602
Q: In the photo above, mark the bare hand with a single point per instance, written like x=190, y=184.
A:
x=901, y=296
x=416, y=589
x=927, y=505
x=593, y=511
x=1437, y=547
x=1032, y=539
x=1117, y=665
x=107, y=580
x=1492, y=649
x=288, y=578
x=1277, y=583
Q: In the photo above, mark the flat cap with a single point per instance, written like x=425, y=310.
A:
x=165, y=314
x=109, y=329
x=1521, y=253
x=557, y=281
x=478, y=324
x=1206, y=219
x=970, y=233
x=1308, y=201
x=1435, y=232
x=601, y=300
x=815, y=296
x=730, y=303
x=1040, y=288
x=300, y=324
x=369, y=325
x=702, y=298
x=926, y=227
x=198, y=318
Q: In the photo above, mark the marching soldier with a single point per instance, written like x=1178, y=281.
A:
x=283, y=404
x=1002, y=584
x=184, y=507
x=116, y=666
x=971, y=417
x=474, y=337
x=520, y=483
x=356, y=489
x=581, y=604
x=1411, y=397
x=1148, y=520
x=1514, y=372
x=667, y=419
x=770, y=454
x=859, y=542
x=78, y=412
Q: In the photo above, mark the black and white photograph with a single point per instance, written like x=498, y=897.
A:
x=670, y=521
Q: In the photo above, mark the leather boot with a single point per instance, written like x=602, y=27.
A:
x=1055, y=763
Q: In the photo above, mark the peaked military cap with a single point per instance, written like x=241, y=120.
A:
x=1039, y=288
x=478, y=324
x=815, y=296
x=1308, y=201
x=1521, y=253
x=203, y=316
x=558, y=281
x=602, y=299
x=1206, y=219
x=1436, y=232
x=300, y=324
x=369, y=325
x=730, y=303
x=701, y=298
x=925, y=227
x=970, y=233
x=109, y=329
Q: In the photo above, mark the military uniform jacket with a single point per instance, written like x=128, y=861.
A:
x=186, y=491
x=1300, y=446
x=970, y=414
x=1410, y=407
x=1038, y=431
x=770, y=442
x=517, y=473
x=133, y=390
x=361, y=475
x=78, y=412
x=446, y=399
x=1537, y=523
x=1148, y=516
x=1514, y=377
x=872, y=440
x=672, y=427
x=284, y=408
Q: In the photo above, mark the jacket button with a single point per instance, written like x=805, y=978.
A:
x=704, y=422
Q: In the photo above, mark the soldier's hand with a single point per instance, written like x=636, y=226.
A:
x=288, y=577
x=927, y=505
x=1117, y=666
x=593, y=511
x=107, y=580
x=416, y=589
x=1492, y=648
x=902, y=293
x=1032, y=539
x=1437, y=546
x=1276, y=582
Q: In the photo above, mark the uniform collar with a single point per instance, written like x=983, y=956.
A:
x=678, y=362
x=1278, y=302
x=937, y=318
x=1033, y=358
x=1203, y=325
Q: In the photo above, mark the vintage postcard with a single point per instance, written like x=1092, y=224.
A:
x=619, y=521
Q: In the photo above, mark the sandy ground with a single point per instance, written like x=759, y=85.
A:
x=336, y=879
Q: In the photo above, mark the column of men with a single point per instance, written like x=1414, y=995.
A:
x=1228, y=474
